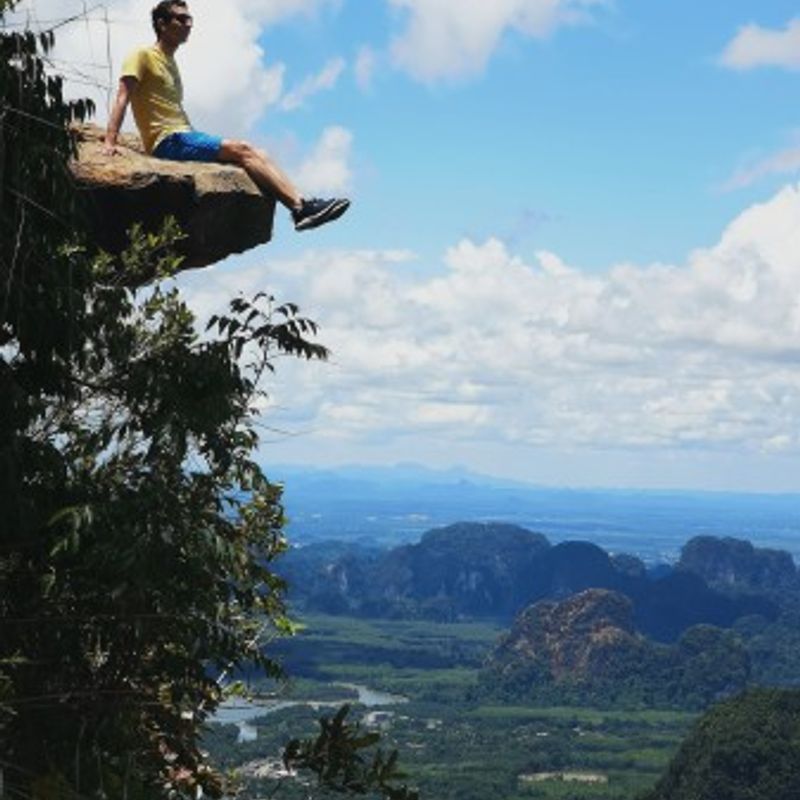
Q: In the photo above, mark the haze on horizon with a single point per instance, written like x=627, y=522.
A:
x=574, y=253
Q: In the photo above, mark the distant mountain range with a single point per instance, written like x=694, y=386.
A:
x=494, y=570
x=396, y=505
x=584, y=624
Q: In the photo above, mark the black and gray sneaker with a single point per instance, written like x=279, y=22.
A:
x=315, y=212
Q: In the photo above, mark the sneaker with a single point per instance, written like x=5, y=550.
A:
x=316, y=212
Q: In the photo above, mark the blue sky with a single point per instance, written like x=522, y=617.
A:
x=573, y=255
x=604, y=142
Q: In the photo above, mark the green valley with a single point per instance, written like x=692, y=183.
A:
x=452, y=742
x=514, y=668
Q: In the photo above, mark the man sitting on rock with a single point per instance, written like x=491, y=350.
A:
x=151, y=83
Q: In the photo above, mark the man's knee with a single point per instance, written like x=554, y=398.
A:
x=237, y=151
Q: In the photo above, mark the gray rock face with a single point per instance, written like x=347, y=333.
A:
x=734, y=564
x=218, y=207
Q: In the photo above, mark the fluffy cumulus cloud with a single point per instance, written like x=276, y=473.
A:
x=327, y=168
x=444, y=39
x=229, y=80
x=494, y=347
x=754, y=46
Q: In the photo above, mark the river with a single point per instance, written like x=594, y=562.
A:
x=240, y=711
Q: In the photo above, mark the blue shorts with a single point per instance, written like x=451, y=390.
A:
x=189, y=146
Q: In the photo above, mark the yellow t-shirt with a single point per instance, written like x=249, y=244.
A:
x=158, y=97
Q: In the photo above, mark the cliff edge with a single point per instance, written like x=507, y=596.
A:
x=220, y=210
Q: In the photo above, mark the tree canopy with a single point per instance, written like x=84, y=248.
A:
x=746, y=748
x=138, y=529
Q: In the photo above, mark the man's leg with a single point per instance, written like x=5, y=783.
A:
x=265, y=173
x=307, y=213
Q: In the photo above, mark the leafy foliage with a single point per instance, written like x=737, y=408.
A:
x=37, y=209
x=747, y=748
x=337, y=758
x=138, y=530
x=149, y=563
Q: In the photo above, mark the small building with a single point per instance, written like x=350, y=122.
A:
x=565, y=777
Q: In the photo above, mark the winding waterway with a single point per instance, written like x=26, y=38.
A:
x=241, y=712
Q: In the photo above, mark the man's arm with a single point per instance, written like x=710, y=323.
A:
x=127, y=85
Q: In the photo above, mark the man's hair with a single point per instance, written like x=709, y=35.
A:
x=163, y=12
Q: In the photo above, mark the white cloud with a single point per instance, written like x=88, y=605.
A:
x=228, y=81
x=268, y=12
x=324, y=80
x=754, y=46
x=445, y=39
x=784, y=162
x=494, y=348
x=327, y=169
x=364, y=67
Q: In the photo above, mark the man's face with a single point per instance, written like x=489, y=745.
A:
x=176, y=31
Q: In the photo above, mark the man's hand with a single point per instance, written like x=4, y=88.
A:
x=127, y=85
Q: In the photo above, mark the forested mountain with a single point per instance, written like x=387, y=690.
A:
x=586, y=649
x=747, y=748
x=587, y=626
x=474, y=570
x=734, y=565
x=470, y=569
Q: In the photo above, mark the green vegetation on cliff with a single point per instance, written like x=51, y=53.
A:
x=747, y=748
x=586, y=650
x=736, y=565
x=474, y=570
x=137, y=529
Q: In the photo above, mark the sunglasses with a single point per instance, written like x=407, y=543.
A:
x=184, y=19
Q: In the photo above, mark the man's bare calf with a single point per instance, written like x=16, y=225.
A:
x=266, y=174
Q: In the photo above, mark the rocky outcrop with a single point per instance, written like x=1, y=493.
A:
x=467, y=569
x=730, y=564
x=587, y=636
x=630, y=566
x=571, y=567
x=220, y=210
x=471, y=570
x=586, y=648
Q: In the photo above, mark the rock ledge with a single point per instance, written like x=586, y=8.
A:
x=218, y=207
